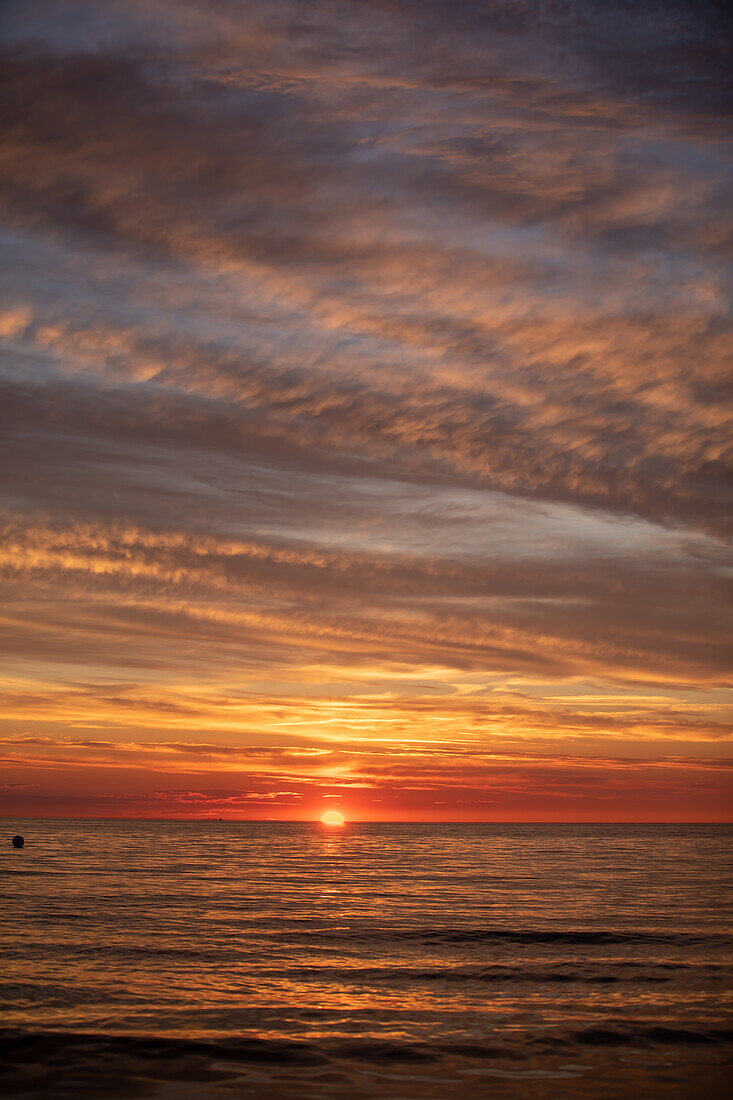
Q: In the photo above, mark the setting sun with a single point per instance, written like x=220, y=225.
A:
x=332, y=817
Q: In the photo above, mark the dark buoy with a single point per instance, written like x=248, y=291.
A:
x=17, y=842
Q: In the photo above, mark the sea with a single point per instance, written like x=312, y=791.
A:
x=220, y=959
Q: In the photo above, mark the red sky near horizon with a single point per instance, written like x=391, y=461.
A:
x=365, y=383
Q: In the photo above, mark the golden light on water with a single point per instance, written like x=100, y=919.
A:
x=332, y=817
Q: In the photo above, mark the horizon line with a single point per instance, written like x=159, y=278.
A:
x=358, y=821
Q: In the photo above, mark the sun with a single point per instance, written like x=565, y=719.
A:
x=332, y=817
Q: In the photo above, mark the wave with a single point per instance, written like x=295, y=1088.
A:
x=385, y=942
x=39, y=1046
x=552, y=936
x=524, y=936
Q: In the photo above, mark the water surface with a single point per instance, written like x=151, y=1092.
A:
x=221, y=959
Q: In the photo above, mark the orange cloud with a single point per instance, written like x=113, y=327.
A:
x=367, y=414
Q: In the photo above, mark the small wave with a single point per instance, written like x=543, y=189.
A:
x=606, y=973
x=541, y=936
x=655, y=1036
x=528, y=936
x=21, y=1045
x=16, y=1044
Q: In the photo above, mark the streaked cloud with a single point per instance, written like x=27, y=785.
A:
x=365, y=383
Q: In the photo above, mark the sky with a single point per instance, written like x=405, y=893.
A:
x=366, y=409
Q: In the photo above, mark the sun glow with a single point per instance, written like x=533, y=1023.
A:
x=332, y=817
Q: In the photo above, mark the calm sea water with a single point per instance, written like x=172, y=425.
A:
x=225, y=959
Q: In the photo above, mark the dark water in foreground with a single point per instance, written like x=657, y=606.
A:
x=189, y=960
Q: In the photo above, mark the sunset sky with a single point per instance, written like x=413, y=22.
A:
x=365, y=398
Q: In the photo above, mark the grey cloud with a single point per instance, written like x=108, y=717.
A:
x=331, y=281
